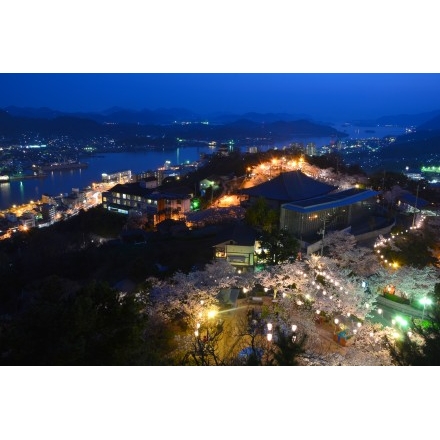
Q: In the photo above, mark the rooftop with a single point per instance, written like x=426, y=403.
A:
x=292, y=186
x=333, y=200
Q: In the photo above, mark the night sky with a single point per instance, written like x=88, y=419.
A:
x=332, y=61
x=332, y=97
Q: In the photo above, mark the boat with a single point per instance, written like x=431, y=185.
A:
x=72, y=165
x=27, y=176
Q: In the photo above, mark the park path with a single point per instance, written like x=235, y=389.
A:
x=320, y=336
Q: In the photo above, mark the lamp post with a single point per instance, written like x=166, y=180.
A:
x=426, y=302
x=210, y=314
x=336, y=322
x=269, y=331
x=294, y=327
x=322, y=232
x=379, y=311
x=401, y=322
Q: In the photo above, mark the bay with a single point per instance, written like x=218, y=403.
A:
x=58, y=182
x=63, y=181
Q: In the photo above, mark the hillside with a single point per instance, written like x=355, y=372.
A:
x=157, y=134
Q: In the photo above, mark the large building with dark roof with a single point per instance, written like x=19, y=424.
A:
x=309, y=207
x=288, y=187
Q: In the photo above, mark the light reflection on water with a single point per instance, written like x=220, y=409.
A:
x=59, y=182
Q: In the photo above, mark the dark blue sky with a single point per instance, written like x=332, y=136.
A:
x=334, y=96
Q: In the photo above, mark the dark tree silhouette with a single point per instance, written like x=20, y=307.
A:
x=63, y=325
x=407, y=351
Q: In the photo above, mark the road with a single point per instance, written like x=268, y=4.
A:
x=385, y=318
x=389, y=312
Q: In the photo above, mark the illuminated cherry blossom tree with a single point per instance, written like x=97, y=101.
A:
x=413, y=283
x=347, y=254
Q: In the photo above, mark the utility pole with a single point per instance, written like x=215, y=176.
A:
x=322, y=232
x=415, y=207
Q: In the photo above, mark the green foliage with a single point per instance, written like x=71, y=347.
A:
x=330, y=160
x=219, y=166
x=287, y=348
x=414, y=251
x=63, y=325
x=408, y=351
x=396, y=298
x=277, y=247
x=98, y=221
x=385, y=180
x=260, y=216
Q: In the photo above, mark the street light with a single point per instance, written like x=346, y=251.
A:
x=269, y=331
x=294, y=327
x=210, y=314
x=336, y=322
x=402, y=322
x=426, y=302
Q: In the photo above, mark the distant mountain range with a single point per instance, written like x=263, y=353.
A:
x=111, y=115
x=146, y=126
x=172, y=115
x=176, y=126
x=402, y=120
x=158, y=116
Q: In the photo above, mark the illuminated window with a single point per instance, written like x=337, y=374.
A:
x=220, y=252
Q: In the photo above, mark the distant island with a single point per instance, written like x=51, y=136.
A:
x=163, y=133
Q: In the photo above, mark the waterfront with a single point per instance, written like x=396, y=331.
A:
x=58, y=182
x=62, y=181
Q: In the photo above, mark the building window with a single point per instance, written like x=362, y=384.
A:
x=220, y=252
